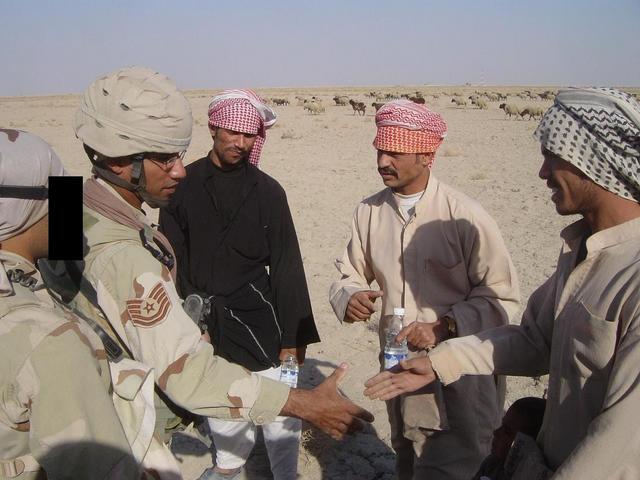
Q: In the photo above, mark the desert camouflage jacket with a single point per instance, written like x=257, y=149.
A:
x=144, y=312
x=56, y=409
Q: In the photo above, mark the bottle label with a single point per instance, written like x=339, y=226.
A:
x=290, y=377
x=391, y=359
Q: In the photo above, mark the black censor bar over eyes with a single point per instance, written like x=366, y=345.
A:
x=65, y=218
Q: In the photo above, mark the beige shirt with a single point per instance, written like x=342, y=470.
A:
x=582, y=326
x=447, y=259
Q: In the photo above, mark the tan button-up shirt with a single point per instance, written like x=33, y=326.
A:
x=448, y=258
x=582, y=326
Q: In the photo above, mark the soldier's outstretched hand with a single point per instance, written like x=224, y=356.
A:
x=407, y=376
x=326, y=408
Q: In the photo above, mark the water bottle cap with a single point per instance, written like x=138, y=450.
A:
x=398, y=311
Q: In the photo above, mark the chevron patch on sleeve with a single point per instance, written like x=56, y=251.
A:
x=153, y=309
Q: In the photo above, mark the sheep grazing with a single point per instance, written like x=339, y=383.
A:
x=359, y=107
x=547, y=95
x=341, y=100
x=510, y=109
x=480, y=103
x=418, y=99
x=314, y=108
x=377, y=105
x=460, y=102
x=532, y=112
x=280, y=101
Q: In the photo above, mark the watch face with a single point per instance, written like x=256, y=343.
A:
x=452, y=326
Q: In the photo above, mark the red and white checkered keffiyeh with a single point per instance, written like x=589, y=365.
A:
x=242, y=111
x=407, y=127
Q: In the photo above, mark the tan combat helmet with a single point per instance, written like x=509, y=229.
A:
x=130, y=112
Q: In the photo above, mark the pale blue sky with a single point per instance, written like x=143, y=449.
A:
x=60, y=47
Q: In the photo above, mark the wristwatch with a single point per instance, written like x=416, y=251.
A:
x=452, y=329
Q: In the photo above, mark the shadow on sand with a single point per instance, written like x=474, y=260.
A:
x=363, y=456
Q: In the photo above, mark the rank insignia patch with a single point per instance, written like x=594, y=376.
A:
x=150, y=311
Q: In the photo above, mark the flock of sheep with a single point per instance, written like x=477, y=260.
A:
x=478, y=99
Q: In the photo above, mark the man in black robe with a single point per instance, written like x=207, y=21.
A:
x=230, y=226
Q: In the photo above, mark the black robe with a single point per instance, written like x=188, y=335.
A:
x=234, y=239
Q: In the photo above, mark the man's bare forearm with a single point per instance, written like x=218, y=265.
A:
x=295, y=404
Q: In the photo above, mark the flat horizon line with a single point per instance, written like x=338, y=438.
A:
x=424, y=85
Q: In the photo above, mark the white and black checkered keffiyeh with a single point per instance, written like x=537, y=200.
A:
x=598, y=131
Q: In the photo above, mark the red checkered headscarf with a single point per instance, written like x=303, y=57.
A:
x=407, y=127
x=242, y=111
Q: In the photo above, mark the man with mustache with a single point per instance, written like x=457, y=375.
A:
x=436, y=253
x=582, y=326
x=236, y=245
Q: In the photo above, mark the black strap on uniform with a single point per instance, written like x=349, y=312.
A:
x=160, y=253
x=24, y=193
x=64, y=285
x=73, y=281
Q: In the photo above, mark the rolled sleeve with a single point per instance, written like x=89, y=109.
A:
x=271, y=399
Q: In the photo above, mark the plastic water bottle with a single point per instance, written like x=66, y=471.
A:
x=289, y=371
x=394, y=352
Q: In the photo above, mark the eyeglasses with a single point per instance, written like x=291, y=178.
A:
x=166, y=161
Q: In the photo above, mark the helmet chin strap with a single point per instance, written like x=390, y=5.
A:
x=138, y=182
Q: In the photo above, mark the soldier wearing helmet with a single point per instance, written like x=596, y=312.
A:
x=131, y=116
x=135, y=126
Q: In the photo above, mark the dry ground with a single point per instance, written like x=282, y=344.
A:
x=327, y=165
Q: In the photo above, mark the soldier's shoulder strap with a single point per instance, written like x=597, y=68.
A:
x=65, y=279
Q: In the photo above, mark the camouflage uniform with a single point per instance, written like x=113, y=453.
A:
x=144, y=312
x=55, y=407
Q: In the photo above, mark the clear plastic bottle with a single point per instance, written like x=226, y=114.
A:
x=394, y=352
x=289, y=371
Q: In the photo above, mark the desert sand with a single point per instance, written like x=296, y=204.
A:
x=326, y=164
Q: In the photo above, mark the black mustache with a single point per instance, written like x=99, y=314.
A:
x=386, y=171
